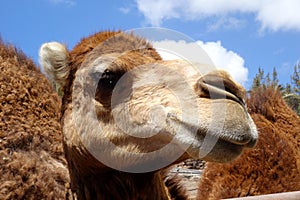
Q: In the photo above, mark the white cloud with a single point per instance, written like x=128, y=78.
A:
x=191, y=51
x=124, y=10
x=156, y=11
x=197, y=52
x=226, y=59
x=280, y=14
x=272, y=14
x=226, y=23
x=69, y=3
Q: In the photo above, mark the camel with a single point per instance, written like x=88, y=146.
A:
x=120, y=132
x=273, y=166
x=33, y=165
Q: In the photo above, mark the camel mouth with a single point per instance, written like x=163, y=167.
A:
x=244, y=135
x=223, y=148
x=223, y=155
x=244, y=138
x=215, y=143
x=243, y=141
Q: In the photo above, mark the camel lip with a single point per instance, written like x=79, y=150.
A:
x=247, y=144
x=252, y=143
x=248, y=139
x=238, y=140
x=220, y=155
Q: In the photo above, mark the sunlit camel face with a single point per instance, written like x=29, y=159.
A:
x=131, y=111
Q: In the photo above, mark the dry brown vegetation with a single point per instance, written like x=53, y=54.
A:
x=32, y=164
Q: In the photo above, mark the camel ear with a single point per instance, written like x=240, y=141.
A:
x=54, y=59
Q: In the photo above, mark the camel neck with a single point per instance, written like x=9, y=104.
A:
x=119, y=185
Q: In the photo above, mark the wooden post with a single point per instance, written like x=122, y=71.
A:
x=277, y=196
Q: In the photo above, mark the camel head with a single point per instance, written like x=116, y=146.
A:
x=125, y=108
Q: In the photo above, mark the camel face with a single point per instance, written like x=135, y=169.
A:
x=132, y=111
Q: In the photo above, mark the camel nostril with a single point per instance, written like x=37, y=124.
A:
x=219, y=85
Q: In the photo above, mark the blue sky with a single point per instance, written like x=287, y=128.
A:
x=243, y=35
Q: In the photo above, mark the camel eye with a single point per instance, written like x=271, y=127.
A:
x=108, y=80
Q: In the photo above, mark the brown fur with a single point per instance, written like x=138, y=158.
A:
x=273, y=166
x=87, y=45
x=32, y=165
x=177, y=191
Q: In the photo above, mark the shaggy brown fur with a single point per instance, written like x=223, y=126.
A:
x=177, y=191
x=32, y=165
x=273, y=166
